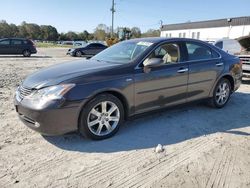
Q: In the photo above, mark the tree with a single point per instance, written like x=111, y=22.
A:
x=135, y=32
x=151, y=33
x=99, y=35
x=5, y=30
x=49, y=33
x=101, y=32
x=71, y=35
x=22, y=30
x=83, y=35
x=62, y=36
x=103, y=27
x=14, y=32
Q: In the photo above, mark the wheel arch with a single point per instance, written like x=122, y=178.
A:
x=226, y=76
x=115, y=93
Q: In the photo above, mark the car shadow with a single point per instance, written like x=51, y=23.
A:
x=166, y=127
x=21, y=57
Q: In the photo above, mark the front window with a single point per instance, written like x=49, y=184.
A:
x=5, y=42
x=168, y=53
x=123, y=52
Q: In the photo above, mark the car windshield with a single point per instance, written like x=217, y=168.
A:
x=123, y=52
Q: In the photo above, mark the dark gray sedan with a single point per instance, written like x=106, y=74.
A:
x=95, y=96
x=88, y=50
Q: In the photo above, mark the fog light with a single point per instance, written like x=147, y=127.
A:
x=37, y=124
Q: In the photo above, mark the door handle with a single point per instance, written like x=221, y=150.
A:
x=182, y=70
x=219, y=64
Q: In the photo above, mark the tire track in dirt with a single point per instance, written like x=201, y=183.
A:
x=167, y=166
x=114, y=171
x=222, y=169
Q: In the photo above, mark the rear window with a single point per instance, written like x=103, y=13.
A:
x=198, y=52
x=16, y=42
x=28, y=42
x=94, y=45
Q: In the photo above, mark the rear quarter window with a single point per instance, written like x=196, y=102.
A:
x=219, y=44
x=198, y=51
x=28, y=42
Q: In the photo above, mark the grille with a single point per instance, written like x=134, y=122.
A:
x=245, y=60
x=23, y=92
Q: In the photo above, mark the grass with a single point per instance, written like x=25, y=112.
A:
x=51, y=45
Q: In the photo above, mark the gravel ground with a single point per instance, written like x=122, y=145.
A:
x=203, y=147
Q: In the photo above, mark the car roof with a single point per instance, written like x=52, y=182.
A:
x=13, y=38
x=164, y=39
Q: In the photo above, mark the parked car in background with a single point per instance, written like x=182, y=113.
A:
x=131, y=77
x=233, y=47
x=230, y=46
x=87, y=50
x=79, y=43
x=16, y=46
x=245, y=65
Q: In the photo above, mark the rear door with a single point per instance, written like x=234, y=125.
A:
x=99, y=48
x=94, y=49
x=16, y=46
x=5, y=46
x=89, y=49
x=205, y=65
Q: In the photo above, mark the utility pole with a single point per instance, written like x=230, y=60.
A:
x=113, y=12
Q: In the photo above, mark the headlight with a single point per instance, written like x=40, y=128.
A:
x=42, y=96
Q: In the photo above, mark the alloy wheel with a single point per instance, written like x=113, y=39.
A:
x=103, y=118
x=26, y=53
x=222, y=93
x=78, y=54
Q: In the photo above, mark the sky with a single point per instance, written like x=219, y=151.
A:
x=79, y=15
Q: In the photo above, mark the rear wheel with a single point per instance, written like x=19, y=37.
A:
x=101, y=117
x=221, y=93
x=26, y=53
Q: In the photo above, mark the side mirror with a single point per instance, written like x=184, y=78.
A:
x=152, y=62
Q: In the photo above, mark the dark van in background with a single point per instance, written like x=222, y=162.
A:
x=16, y=46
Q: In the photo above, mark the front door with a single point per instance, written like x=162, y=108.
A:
x=163, y=85
x=5, y=47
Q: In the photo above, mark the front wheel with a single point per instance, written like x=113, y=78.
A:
x=78, y=53
x=221, y=94
x=101, y=117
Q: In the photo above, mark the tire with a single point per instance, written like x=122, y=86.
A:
x=221, y=93
x=26, y=53
x=78, y=53
x=101, y=117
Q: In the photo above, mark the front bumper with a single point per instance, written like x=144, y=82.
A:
x=52, y=121
x=71, y=53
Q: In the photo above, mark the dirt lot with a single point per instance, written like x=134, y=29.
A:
x=203, y=147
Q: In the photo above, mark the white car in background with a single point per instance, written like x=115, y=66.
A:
x=233, y=47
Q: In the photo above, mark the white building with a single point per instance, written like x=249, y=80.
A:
x=210, y=30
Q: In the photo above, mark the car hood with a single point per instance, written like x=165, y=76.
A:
x=61, y=72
